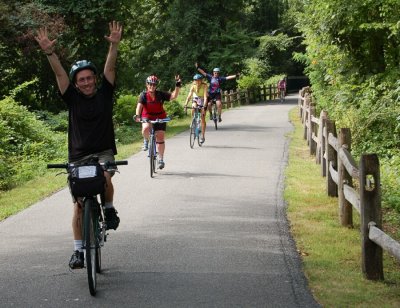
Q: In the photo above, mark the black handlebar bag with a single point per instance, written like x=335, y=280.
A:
x=87, y=180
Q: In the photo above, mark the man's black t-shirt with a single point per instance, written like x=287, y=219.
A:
x=90, y=124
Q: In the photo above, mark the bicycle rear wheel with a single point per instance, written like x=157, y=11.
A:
x=152, y=155
x=192, y=133
x=91, y=244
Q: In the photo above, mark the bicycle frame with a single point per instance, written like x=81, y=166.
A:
x=195, y=127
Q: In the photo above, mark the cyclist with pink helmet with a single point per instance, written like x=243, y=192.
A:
x=90, y=124
x=150, y=106
x=282, y=88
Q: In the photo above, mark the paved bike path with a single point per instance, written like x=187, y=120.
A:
x=208, y=231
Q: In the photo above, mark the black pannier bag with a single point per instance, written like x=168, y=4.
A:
x=87, y=180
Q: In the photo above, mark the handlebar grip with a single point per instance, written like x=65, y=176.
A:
x=60, y=166
x=121, y=162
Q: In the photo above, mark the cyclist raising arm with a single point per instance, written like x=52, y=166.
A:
x=198, y=91
x=150, y=106
x=282, y=88
x=90, y=125
x=214, y=90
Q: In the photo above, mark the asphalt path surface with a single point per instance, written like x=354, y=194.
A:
x=208, y=231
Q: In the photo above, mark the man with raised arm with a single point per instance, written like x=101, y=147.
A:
x=90, y=125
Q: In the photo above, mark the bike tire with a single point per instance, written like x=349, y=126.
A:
x=100, y=231
x=152, y=156
x=91, y=244
x=98, y=260
x=198, y=132
x=192, y=133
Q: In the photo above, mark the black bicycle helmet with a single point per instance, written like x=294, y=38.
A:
x=81, y=65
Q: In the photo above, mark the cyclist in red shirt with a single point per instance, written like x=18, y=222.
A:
x=150, y=106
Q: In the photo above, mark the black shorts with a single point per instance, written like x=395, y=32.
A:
x=216, y=96
x=160, y=126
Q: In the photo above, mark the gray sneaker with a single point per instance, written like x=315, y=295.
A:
x=161, y=164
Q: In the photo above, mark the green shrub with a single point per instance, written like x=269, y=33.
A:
x=124, y=109
x=57, y=122
x=26, y=144
x=126, y=134
x=252, y=74
x=174, y=109
x=390, y=179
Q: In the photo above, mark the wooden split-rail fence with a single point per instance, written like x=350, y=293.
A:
x=240, y=97
x=357, y=186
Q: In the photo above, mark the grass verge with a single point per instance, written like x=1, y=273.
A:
x=331, y=253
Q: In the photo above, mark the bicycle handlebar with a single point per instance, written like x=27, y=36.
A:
x=60, y=166
x=165, y=120
x=107, y=164
x=198, y=107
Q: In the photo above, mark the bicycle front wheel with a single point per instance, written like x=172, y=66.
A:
x=91, y=244
x=215, y=117
x=152, y=155
x=193, y=128
x=198, y=132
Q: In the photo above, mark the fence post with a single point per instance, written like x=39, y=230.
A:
x=306, y=112
x=345, y=207
x=370, y=207
x=264, y=93
x=232, y=98
x=301, y=112
x=238, y=98
x=320, y=144
x=270, y=92
x=227, y=99
x=254, y=100
x=300, y=102
x=311, y=143
x=324, y=138
x=246, y=97
x=331, y=158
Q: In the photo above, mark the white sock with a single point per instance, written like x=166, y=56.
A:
x=78, y=245
x=108, y=205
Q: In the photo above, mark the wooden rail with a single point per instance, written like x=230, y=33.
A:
x=332, y=149
x=249, y=96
